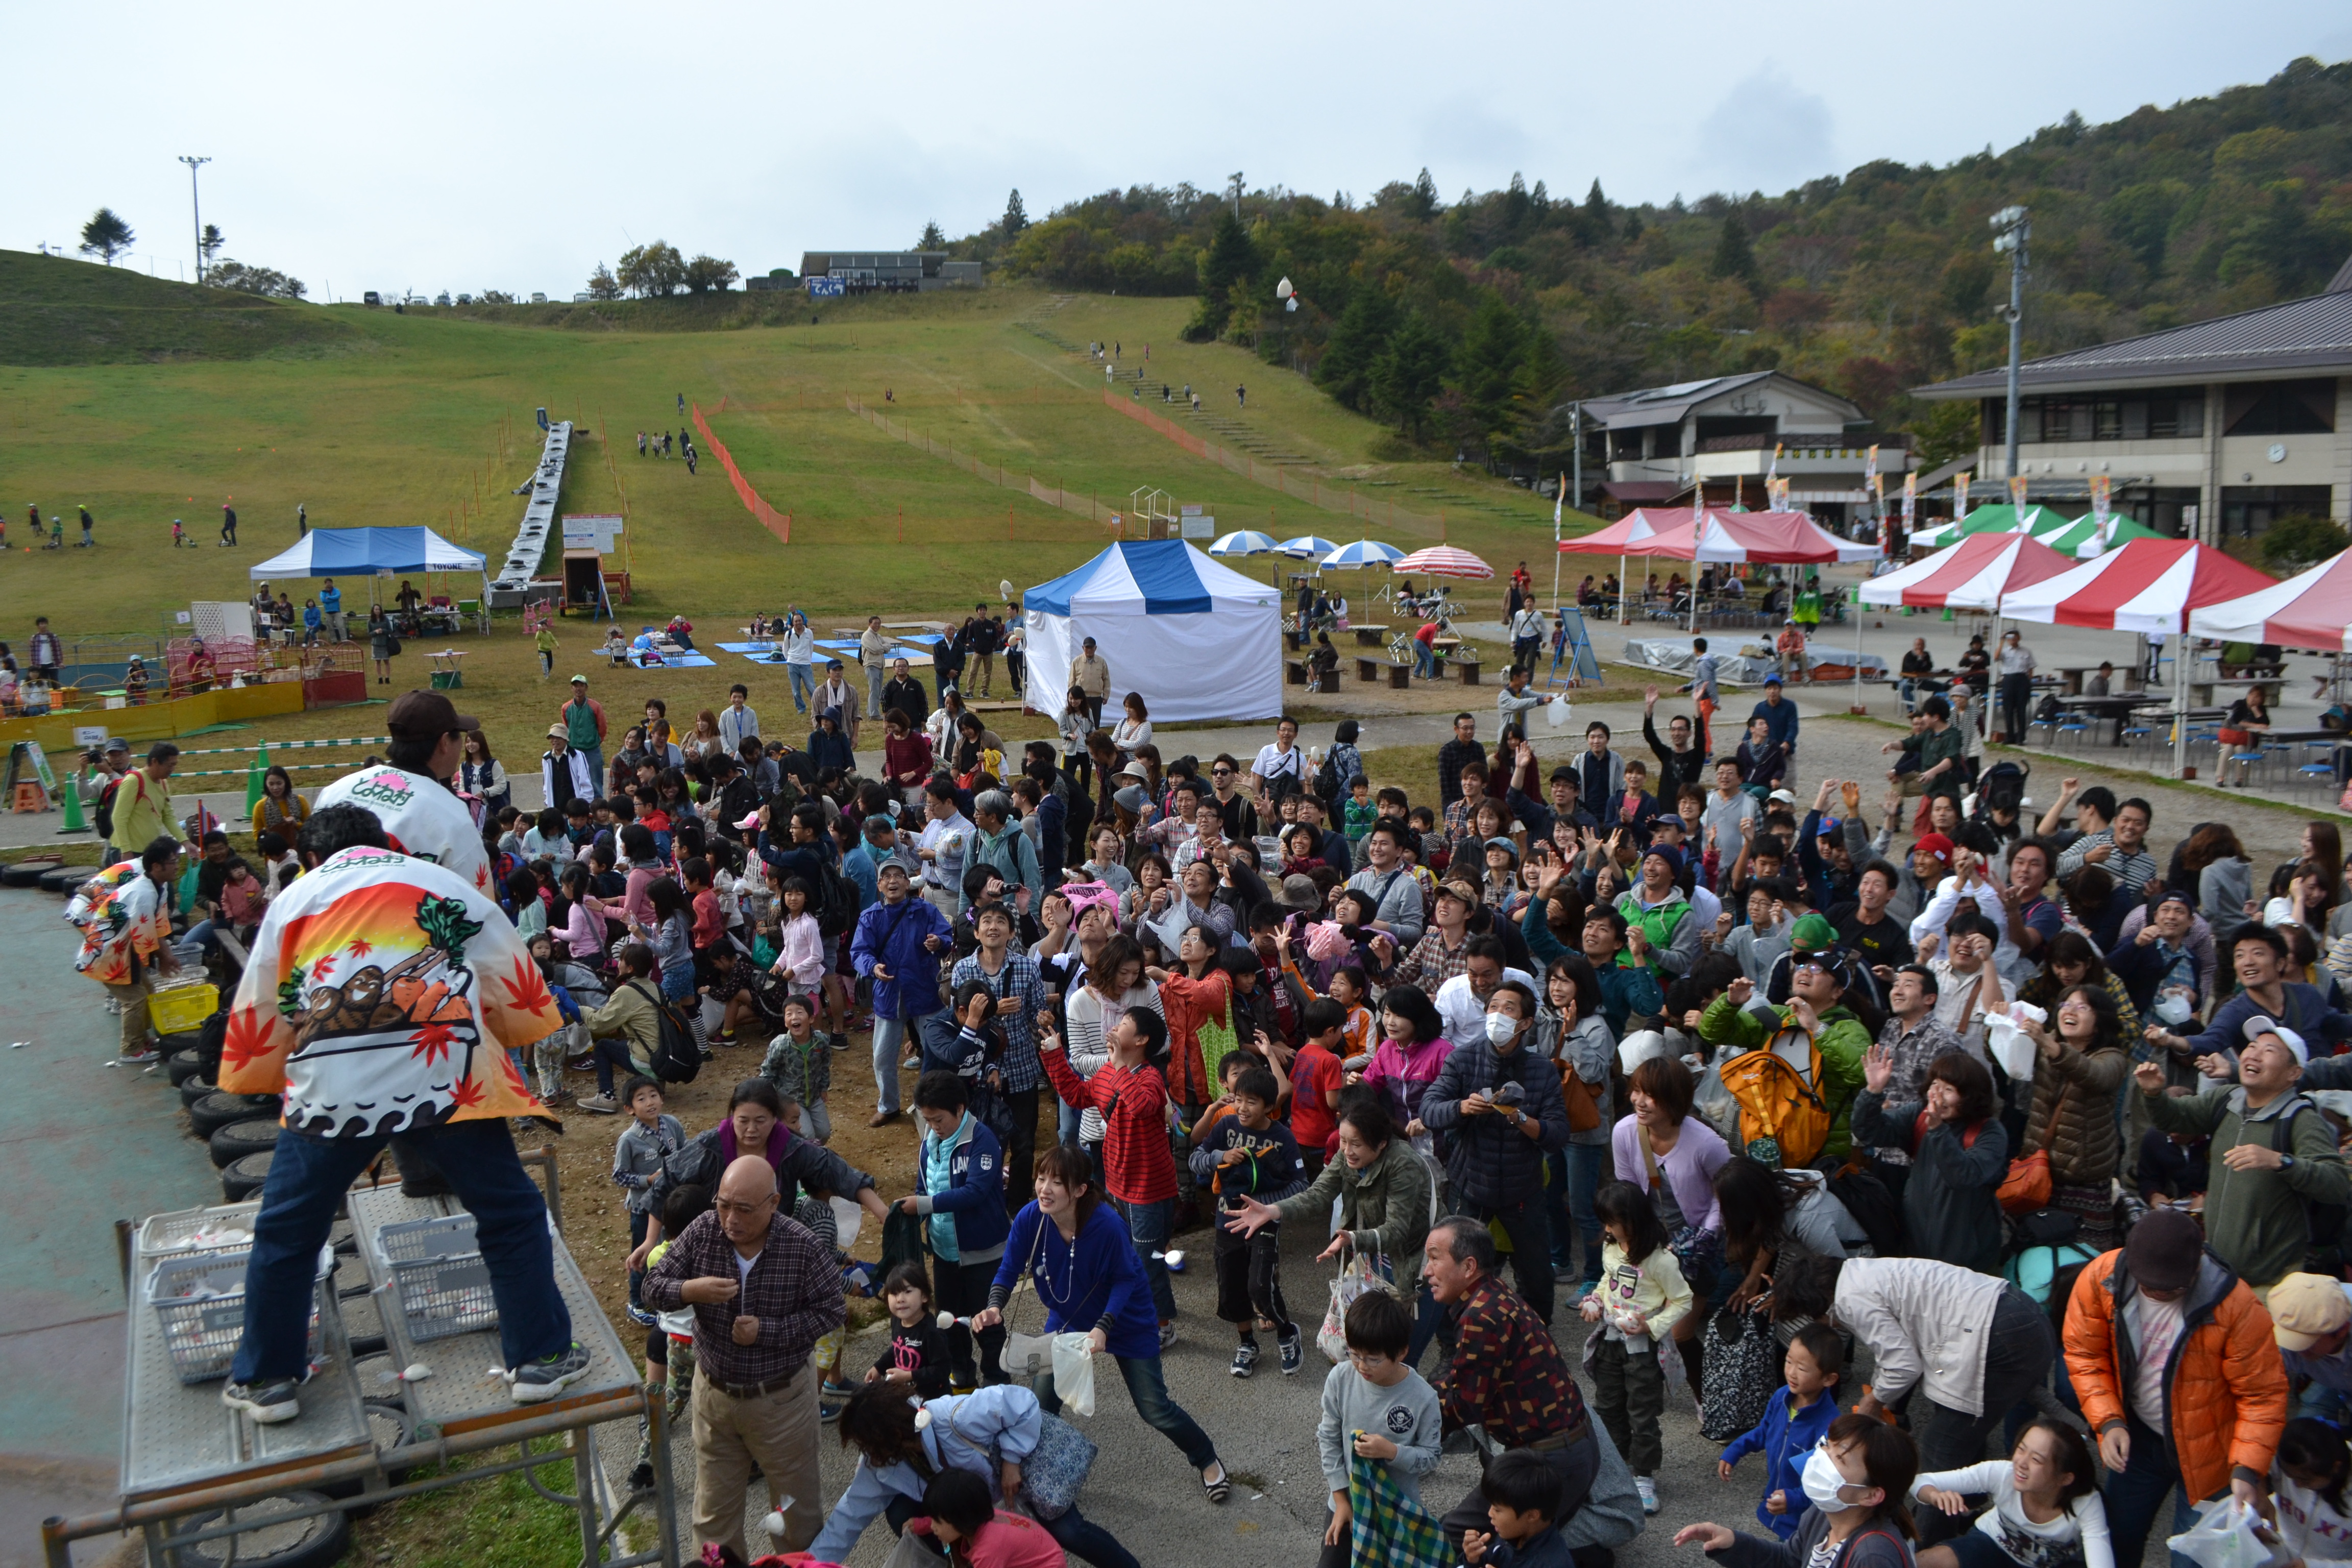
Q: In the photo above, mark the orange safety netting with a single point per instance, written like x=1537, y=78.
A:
x=776, y=523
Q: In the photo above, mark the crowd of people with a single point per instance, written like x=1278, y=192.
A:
x=2020, y=1110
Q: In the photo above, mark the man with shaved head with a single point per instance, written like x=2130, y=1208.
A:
x=763, y=1291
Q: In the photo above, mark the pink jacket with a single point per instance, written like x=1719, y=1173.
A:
x=583, y=930
x=802, y=952
x=1405, y=1072
x=1008, y=1541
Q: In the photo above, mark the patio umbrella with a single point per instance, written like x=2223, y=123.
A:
x=1307, y=547
x=1245, y=541
x=1364, y=552
x=1446, y=561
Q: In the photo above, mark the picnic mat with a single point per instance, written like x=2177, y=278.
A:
x=761, y=652
x=673, y=660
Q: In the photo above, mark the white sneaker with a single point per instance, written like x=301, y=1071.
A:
x=599, y=1104
x=1649, y=1490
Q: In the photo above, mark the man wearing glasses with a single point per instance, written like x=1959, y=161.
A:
x=1240, y=816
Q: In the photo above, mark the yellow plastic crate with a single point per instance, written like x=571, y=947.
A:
x=177, y=1009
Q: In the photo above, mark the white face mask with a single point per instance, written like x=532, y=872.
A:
x=1501, y=1029
x=1822, y=1481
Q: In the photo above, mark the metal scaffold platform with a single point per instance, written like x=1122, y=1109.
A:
x=195, y=1472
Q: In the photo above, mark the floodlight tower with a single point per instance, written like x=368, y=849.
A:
x=194, y=211
x=2012, y=232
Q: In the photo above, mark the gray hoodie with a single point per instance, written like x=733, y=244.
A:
x=1406, y=1414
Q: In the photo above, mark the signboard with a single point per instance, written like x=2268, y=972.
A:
x=1195, y=526
x=827, y=288
x=25, y=758
x=590, y=531
x=88, y=736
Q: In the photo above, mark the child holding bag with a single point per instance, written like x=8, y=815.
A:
x=1641, y=1297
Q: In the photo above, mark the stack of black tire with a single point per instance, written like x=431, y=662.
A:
x=240, y=1128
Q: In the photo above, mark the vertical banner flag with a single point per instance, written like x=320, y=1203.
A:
x=2017, y=492
x=1878, y=497
x=1961, y=496
x=1698, y=517
x=2100, y=499
x=1910, y=501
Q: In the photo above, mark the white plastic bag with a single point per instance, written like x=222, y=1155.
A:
x=2010, y=1044
x=1558, y=713
x=1074, y=1373
x=2224, y=1537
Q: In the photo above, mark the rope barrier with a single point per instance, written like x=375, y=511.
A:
x=289, y=746
x=246, y=773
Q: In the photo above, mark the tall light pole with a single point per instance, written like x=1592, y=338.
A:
x=2013, y=232
x=1237, y=195
x=195, y=212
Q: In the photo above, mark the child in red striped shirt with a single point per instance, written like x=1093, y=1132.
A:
x=1139, y=1170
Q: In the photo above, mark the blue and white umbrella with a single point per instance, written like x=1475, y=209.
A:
x=1364, y=552
x=1245, y=541
x=1307, y=547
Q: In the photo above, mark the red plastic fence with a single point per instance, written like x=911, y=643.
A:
x=779, y=523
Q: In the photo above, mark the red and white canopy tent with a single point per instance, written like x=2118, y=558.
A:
x=1970, y=576
x=2150, y=585
x=1712, y=535
x=2313, y=610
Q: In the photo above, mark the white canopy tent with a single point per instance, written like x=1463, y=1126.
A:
x=369, y=553
x=1198, y=640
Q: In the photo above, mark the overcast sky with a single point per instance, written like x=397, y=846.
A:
x=436, y=146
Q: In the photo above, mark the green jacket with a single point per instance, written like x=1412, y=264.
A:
x=1843, y=1042
x=2255, y=1221
x=1384, y=1207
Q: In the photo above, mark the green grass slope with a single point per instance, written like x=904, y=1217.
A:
x=56, y=311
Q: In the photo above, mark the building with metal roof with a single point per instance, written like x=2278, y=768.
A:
x=865, y=271
x=2216, y=428
x=1656, y=446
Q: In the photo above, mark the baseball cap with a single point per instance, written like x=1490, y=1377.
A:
x=2259, y=1024
x=1772, y=680
x=116, y=743
x=1786, y=797
x=1938, y=845
x=2306, y=1307
x=1461, y=891
x=425, y=716
x=1812, y=933
x=2163, y=1251
x=579, y=680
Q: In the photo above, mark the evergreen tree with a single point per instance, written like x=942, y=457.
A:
x=1734, y=257
x=1594, y=226
x=106, y=235
x=1016, y=217
x=1488, y=373
x=602, y=285
x=933, y=238
x=1424, y=196
x=1358, y=339
x=1410, y=373
x=1230, y=259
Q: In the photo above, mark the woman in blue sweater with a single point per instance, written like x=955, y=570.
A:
x=1082, y=1263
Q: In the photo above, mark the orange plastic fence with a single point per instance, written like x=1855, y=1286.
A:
x=779, y=523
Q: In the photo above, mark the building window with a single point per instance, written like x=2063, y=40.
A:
x=2280, y=409
x=2248, y=509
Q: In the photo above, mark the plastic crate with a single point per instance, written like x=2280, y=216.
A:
x=439, y=1280
x=183, y=1008
x=199, y=1300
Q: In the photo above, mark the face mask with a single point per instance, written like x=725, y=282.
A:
x=1822, y=1481
x=1501, y=1029
x=2173, y=1009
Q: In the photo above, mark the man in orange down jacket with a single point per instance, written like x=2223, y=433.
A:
x=2178, y=1374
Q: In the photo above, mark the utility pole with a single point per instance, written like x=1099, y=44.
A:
x=2013, y=232
x=1237, y=194
x=194, y=211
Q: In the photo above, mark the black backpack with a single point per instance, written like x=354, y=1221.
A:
x=836, y=901
x=102, y=818
x=1873, y=1206
x=675, y=1058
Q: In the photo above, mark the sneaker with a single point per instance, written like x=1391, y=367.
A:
x=599, y=1104
x=1245, y=1359
x=142, y=1057
x=1293, y=1346
x=839, y=1042
x=642, y=1318
x=1168, y=1333
x=545, y=1379
x=911, y=1063
x=270, y=1401
x=1649, y=1490
x=641, y=1476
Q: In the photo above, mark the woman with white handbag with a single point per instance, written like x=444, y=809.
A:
x=902, y=1442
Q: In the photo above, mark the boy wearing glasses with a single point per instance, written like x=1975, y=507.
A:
x=1377, y=1406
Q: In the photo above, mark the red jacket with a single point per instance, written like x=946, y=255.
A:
x=1136, y=1166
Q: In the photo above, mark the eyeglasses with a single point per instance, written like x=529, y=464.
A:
x=1220, y=773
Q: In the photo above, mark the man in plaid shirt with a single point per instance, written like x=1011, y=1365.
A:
x=1507, y=1375
x=1139, y=1171
x=1011, y=976
x=764, y=1290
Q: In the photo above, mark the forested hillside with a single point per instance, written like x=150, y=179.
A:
x=1466, y=322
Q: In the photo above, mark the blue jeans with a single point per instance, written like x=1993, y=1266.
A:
x=611, y=1054
x=1148, y=1386
x=2134, y=1494
x=1428, y=1317
x=889, y=1044
x=1424, y=659
x=1147, y=1223
x=306, y=1185
x=595, y=771
x=804, y=684
x=1571, y=1177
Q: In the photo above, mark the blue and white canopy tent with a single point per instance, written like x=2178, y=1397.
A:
x=1198, y=640
x=364, y=553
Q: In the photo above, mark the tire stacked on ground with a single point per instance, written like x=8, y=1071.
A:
x=266, y=1538
x=240, y=1139
x=243, y=1178
x=63, y=880
x=209, y=1112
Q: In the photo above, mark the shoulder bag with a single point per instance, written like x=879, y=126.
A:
x=2027, y=1185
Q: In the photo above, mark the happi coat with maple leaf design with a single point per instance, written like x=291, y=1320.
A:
x=381, y=995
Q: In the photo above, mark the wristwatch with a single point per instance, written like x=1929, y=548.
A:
x=2286, y=1163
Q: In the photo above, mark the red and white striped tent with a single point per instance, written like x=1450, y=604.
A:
x=1971, y=575
x=2313, y=610
x=1780, y=538
x=2148, y=585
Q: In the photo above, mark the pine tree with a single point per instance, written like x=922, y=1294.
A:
x=602, y=285
x=1229, y=260
x=1411, y=373
x=106, y=235
x=1358, y=339
x=1424, y=196
x=1734, y=257
x=933, y=238
x=1017, y=216
x=1488, y=371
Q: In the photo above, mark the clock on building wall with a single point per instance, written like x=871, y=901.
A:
x=2277, y=453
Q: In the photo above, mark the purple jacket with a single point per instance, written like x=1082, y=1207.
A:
x=1688, y=1168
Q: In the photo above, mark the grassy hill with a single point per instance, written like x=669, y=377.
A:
x=56, y=311
x=433, y=424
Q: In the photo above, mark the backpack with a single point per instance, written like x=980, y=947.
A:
x=836, y=908
x=1873, y=1206
x=103, y=817
x=1783, y=1120
x=675, y=1058
x=2002, y=787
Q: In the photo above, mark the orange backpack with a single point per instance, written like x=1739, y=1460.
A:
x=1782, y=1118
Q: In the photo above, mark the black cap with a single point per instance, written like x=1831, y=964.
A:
x=425, y=716
x=2165, y=1250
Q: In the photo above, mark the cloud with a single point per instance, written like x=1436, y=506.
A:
x=1765, y=135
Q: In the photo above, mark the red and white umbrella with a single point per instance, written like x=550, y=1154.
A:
x=2313, y=610
x=1443, y=561
x=1971, y=575
x=2148, y=585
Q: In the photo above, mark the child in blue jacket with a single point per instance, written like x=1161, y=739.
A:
x=1793, y=1425
x=959, y=1191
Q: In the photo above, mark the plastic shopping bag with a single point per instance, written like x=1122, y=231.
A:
x=2226, y=1536
x=1074, y=1373
x=2010, y=1044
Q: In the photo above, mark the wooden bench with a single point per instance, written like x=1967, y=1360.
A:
x=1294, y=671
x=1469, y=668
x=1369, y=636
x=1370, y=670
